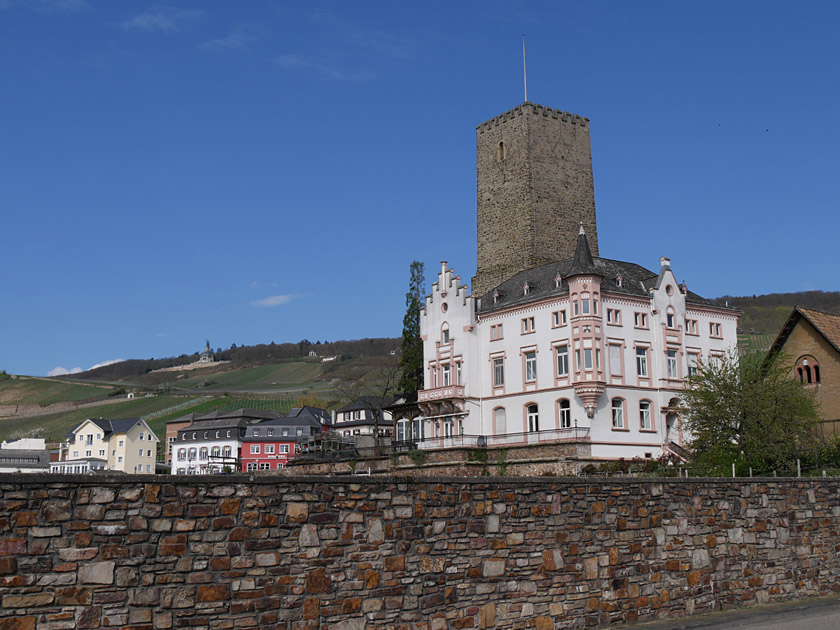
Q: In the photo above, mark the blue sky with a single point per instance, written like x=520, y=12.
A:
x=266, y=171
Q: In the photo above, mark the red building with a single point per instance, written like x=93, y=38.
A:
x=269, y=445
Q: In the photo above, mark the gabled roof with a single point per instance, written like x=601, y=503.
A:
x=110, y=426
x=826, y=324
x=307, y=411
x=230, y=419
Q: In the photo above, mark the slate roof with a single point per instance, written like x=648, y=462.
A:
x=826, y=324
x=25, y=458
x=368, y=402
x=238, y=418
x=110, y=426
x=635, y=281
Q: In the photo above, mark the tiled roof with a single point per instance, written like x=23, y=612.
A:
x=827, y=324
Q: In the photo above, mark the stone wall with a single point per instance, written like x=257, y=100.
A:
x=352, y=553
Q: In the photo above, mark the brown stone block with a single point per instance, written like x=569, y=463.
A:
x=18, y=623
x=56, y=511
x=487, y=616
x=24, y=519
x=395, y=563
x=351, y=605
x=230, y=506
x=73, y=596
x=8, y=566
x=297, y=512
x=224, y=522
x=220, y=563
x=175, y=545
x=693, y=578
x=371, y=579
x=201, y=510
x=32, y=600
x=152, y=493
x=317, y=581
x=592, y=604
x=464, y=622
x=213, y=593
x=311, y=608
x=12, y=546
x=239, y=534
x=89, y=617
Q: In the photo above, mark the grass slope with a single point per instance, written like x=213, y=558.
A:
x=27, y=390
x=295, y=374
x=55, y=426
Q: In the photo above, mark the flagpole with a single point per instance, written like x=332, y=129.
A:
x=524, y=71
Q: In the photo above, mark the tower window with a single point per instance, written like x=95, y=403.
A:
x=500, y=154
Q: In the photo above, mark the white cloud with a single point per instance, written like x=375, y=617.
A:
x=104, y=363
x=61, y=371
x=239, y=39
x=48, y=6
x=274, y=300
x=167, y=19
x=297, y=62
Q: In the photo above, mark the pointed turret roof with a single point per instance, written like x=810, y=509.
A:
x=583, y=262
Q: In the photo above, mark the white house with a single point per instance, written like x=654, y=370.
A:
x=127, y=445
x=587, y=349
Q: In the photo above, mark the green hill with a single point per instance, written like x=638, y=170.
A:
x=765, y=314
x=29, y=390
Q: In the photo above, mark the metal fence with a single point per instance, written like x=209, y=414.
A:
x=549, y=436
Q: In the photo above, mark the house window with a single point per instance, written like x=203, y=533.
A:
x=615, y=359
x=284, y=432
x=182, y=454
x=88, y=453
x=531, y=366
x=265, y=465
x=447, y=375
x=670, y=320
x=558, y=318
x=251, y=466
x=269, y=432
x=715, y=330
x=532, y=413
x=402, y=430
x=645, y=423
x=618, y=413
x=444, y=334
x=148, y=468
x=140, y=437
x=562, y=360
x=256, y=433
x=498, y=372
x=119, y=459
x=565, y=412
x=500, y=420
x=691, y=327
x=226, y=451
x=641, y=362
x=269, y=449
x=218, y=433
x=673, y=368
x=101, y=453
x=215, y=451
x=614, y=316
x=284, y=449
x=448, y=427
x=458, y=374
x=640, y=320
x=496, y=332
x=120, y=443
x=191, y=454
x=255, y=449
x=808, y=370
x=202, y=454
x=692, y=365
x=527, y=325
x=585, y=304
x=587, y=358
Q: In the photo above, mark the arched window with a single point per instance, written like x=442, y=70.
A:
x=645, y=420
x=533, y=415
x=444, y=333
x=808, y=370
x=670, y=318
x=564, y=413
x=499, y=421
x=500, y=152
x=618, y=413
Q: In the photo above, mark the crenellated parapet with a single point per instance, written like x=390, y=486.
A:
x=535, y=109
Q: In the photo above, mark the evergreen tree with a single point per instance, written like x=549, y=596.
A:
x=411, y=357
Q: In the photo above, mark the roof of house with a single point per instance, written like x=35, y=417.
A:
x=826, y=324
x=108, y=427
x=368, y=402
x=542, y=281
x=25, y=458
x=307, y=411
x=237, y=418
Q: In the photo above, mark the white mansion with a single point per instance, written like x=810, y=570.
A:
x=556, y=343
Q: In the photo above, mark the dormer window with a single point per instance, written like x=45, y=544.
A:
x=526, y=289
x=558, y=281
x=496, y=296
x=619, y=281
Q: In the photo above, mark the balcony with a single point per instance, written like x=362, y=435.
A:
x=572, y=434
x=440, y=393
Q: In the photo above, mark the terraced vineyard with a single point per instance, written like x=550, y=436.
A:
x=27, y=390
x=296, y=374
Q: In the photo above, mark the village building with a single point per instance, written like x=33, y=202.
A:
x=556, y=343
x=24, y=455
x=366, y=415
x=273, y=443
x=810, y=339
x=126, y=445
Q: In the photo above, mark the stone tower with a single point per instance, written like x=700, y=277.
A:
x=535, y=187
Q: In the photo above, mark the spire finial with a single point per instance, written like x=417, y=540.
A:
x=581, y=231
